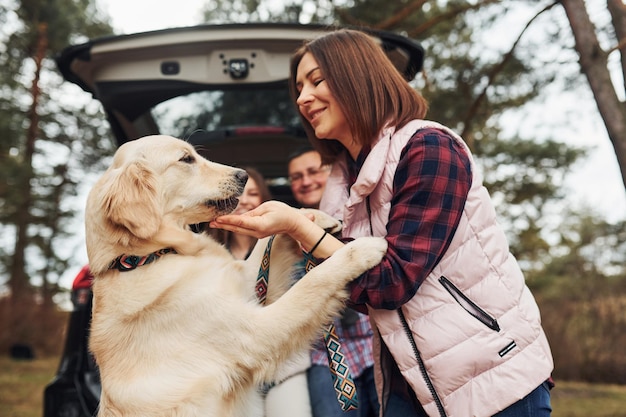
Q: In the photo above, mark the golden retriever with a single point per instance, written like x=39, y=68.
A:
x=183, y=334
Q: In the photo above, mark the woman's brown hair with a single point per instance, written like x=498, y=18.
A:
x=370, y=90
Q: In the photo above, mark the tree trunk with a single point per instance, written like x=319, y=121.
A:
x=19, y=280
x=617, y=9
x=593, y=63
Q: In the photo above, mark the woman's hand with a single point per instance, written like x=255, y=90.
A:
x=271, y=217
x=274, y=217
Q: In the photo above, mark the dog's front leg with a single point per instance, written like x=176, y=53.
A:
x=292, y=322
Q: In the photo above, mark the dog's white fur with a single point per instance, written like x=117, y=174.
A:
x=185, y=335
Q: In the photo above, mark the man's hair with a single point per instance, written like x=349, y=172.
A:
x=299, y=152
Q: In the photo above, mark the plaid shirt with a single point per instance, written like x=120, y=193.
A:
x=430, y=186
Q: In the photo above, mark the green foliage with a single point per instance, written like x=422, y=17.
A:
x=525, y=178
x=65, y=19
x=582, y=294
x=245, y=11
x=237, y=11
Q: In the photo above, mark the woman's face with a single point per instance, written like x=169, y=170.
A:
x=250, y=198
x=318, y=105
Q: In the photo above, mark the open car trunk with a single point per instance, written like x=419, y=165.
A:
x=227, y=81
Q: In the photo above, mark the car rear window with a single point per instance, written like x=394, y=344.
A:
x=212, y=110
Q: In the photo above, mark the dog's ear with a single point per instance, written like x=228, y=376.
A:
x=132, y=200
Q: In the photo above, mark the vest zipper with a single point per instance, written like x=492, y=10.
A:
x=369, y=214
x=409, y=334
x=468, y=305
x=420, y=362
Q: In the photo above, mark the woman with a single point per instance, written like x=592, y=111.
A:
x=458, y=332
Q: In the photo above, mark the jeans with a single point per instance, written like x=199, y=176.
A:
x=535, y=404
x=400, y=407
x=324, y=400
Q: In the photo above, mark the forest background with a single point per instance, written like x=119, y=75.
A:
x=493, y=84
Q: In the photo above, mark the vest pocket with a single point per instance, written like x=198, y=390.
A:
x=469, y=306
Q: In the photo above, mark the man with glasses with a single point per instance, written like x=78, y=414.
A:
x=308, y=178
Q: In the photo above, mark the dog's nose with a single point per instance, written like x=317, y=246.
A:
x=241, y=177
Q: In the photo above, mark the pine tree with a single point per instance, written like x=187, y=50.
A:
x=47, y=146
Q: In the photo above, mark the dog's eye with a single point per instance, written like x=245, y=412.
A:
x=188, y=159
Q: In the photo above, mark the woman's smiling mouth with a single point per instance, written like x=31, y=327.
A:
x=314, y=115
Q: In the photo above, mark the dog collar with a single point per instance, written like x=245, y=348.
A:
x=129, y=262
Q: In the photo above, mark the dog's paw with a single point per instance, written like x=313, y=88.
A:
x=360, y=255
x=323, y=220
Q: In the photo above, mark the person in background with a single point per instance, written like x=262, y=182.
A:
x=457, y=331
x=307, y=177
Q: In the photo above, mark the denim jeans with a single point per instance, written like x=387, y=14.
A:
x=324, y=400
x=535, y=404
x=400, y=407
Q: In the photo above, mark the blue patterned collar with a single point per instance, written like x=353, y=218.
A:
x=129, y=262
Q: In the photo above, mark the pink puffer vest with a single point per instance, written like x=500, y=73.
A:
x=475, y=324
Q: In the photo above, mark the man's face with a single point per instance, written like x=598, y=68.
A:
x=308, y=178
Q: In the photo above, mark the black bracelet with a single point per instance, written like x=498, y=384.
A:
x=318, y=243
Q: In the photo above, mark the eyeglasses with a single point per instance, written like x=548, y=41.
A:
x=313, y=173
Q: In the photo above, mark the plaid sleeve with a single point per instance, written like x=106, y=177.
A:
x=430, y=188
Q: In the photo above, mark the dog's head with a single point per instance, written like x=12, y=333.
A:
x=158, y=179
